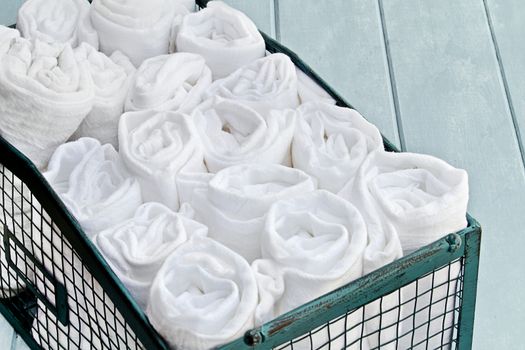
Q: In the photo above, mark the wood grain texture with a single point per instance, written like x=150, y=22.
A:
x=453, y=105
x=260, y=11
x=342, y=40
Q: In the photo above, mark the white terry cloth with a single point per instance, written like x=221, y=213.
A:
x=422, y=196
x=224, y=36
x=235, y=201
x=136, y=248
x=310, y=91
x=331, y=143
x=203, y=296
x=265, y=84
x=311, y=245
x=94, y=184
x=139, y=29
x=45, y=93
x=112, y=78
x=61, y=21
x=232, y=133
x=180, y=13
x=174, y=82
x=156, y=147
x=7, y=35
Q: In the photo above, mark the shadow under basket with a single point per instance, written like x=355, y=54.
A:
x=57, y=291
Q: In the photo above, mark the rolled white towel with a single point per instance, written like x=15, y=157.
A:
x=174, y=82
x=310, y=91
x=112, y=78
x=232, y=133
x=203, y=296
x=62, y=21
x=180, y=13
x=136, y=248
x=235, y=201
x=225, y=37
x=7, y=35
x=139, y=29
x=45, y=93
x=331, y=143
x=311, y=245
x=94, y=184
x=156, y=147
x=265, y=84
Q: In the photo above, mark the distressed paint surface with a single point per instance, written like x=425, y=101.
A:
x=453, y=105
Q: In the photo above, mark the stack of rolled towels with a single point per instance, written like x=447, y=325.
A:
x=222, y=185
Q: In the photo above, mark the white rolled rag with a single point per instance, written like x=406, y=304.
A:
x=235, y=201
x=45, y=93
x=232, y=133
x=330, y=143
x=311, y=245
x=139, y=29
x=7, y=35
x=310, y=91
x=136, y=248
x=62, y=21
x=94, y=184
x=156, y=147
x=174, y=82
x=112, y=78
x=265, y=84
x=225, y=37
x=203, y=296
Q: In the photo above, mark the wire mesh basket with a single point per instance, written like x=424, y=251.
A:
x=57, y=291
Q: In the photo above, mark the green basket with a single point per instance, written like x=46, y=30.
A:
x=431, y=292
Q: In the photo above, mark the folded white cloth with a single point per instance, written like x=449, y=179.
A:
x=45, y=93
x=331, y=143
x=314, y=243
x=174, y=82
x=232, y=133
x=180, y=12
x=94, y=184
x=156, y=147
x=225, y=37
x=139, y=29
x=203, y=296
x=7, y=35
x=310, y=91
x=136, y=248
x=234, y=203
x=62, y=21
x=265, y=84
x=112, y=78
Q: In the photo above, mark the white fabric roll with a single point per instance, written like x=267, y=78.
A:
x=156, y=147
x=45, y=93
x=315, y=243
x=139, y=29
x=7, y=35
x=94, y=184
x=265, y=84
x=174, y=82
x=310, y=91
x=225, y=37
x=331, y=143
x=235, y=201
x=203, y=296
x=180, y=12
x=112, y=78
x=232, y=133
x=136, y=248
x=61, y=21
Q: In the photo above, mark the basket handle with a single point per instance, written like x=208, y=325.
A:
x=60, y=307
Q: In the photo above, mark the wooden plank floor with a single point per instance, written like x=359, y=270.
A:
x=440, y=77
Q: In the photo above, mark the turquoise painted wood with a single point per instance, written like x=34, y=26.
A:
x=343, y=41
x=262, y=12
x=8, y=10
x=453, y=105
x=6, y=334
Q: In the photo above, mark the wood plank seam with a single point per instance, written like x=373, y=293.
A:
x=503, y=76
x=391, y=75
x=277, y=20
